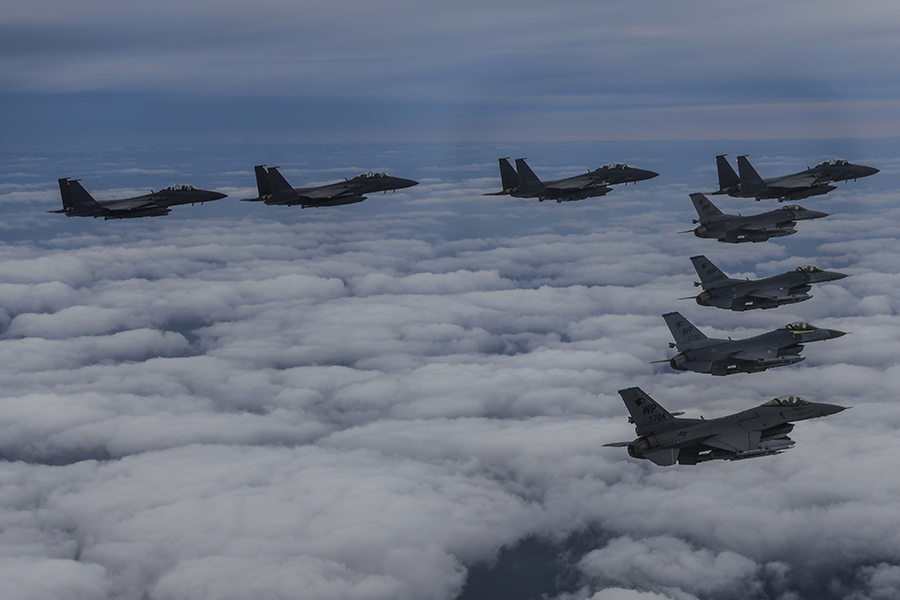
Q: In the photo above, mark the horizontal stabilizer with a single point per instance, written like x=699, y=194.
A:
x=616, y=444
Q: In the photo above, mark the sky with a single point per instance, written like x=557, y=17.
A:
x=407, y=398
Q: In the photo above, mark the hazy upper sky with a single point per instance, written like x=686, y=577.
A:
x=438, y=71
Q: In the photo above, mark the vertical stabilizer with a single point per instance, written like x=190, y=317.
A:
x=706, y=210
x=527, y=178
x=278, y=185
x=645, y=411
x=508, y=175
x=751, y=182
x=81, y=200
x=262, y=181
x=686, y=335
x=66, y=194
x=710, y=275
x=727, y=177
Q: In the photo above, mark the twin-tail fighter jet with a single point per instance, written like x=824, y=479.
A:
x=273, y=188
x=762, y=431
x=721, y=291
x=811, y=182
x=736, y=229
x=521, y=182
x=77, y=202
x=777, y=348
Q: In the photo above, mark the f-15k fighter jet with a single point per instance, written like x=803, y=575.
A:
x=811, y=182
x=777, y=348
x=273, y=188
x=762, y=431
x=77, y=202
x=735, y=229
x=521, y=182
x=721, y=291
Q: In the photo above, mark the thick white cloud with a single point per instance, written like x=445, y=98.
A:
x=363, y=405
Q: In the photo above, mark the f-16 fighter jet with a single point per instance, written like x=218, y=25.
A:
x=777, y=348
x=735, y=229
x=811, y=182
x=521, y=182
x=78, y=203
x=721, y=291
x=761, y=431
x=274, y=189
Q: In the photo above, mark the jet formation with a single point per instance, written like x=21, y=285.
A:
x=762, y=431
x=811, y=182
x=777, y=348
x=273, y=188
x=722, y=291
x=77, y=202
x=736, y=229
x=521, y=182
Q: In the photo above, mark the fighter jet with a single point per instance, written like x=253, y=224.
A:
x=761, y=431
x=274, y=189
x=721, y=291
x=735, y=229
x=777, y=348
x=521, y=182
x=811, y=182
x=77, y=202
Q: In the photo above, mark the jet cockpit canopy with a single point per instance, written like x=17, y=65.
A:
x=180, y=188
x=835, y=162
x=808, y=269
x=787, y=401
x=615, y=165
x=799, y=327
x=793, y=207
x=370, y=174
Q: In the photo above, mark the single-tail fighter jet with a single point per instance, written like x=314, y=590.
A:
x=762, y=431
x=777, y=348
x=77, y=202
x=811, y=182
x=736, y=229
x=274, y=189
x=721, y=291
x=521, y=182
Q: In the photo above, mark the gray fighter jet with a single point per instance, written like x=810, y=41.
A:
x=777, y=348
x=274, y=189
x=721, y=291
x=521, y=182
x=735, y=229
x=761, y=431
x=77, y=202
x=811, y=182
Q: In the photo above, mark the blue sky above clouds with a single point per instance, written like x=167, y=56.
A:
x=379, y=400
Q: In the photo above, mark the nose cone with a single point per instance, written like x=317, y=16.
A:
x=834, y=275
x=811, y=214
x=217, y=196
x=834, y=333
x=404, y=183
x=643, y=174
x=829, y=409
x=869, y=171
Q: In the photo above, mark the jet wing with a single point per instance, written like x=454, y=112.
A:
x=754, y=354
x=739, y=441
x=797, y=180
x=335, y=190
x=766, y=293
x=127, y=204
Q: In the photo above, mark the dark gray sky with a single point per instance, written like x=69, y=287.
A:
x=436, y=71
